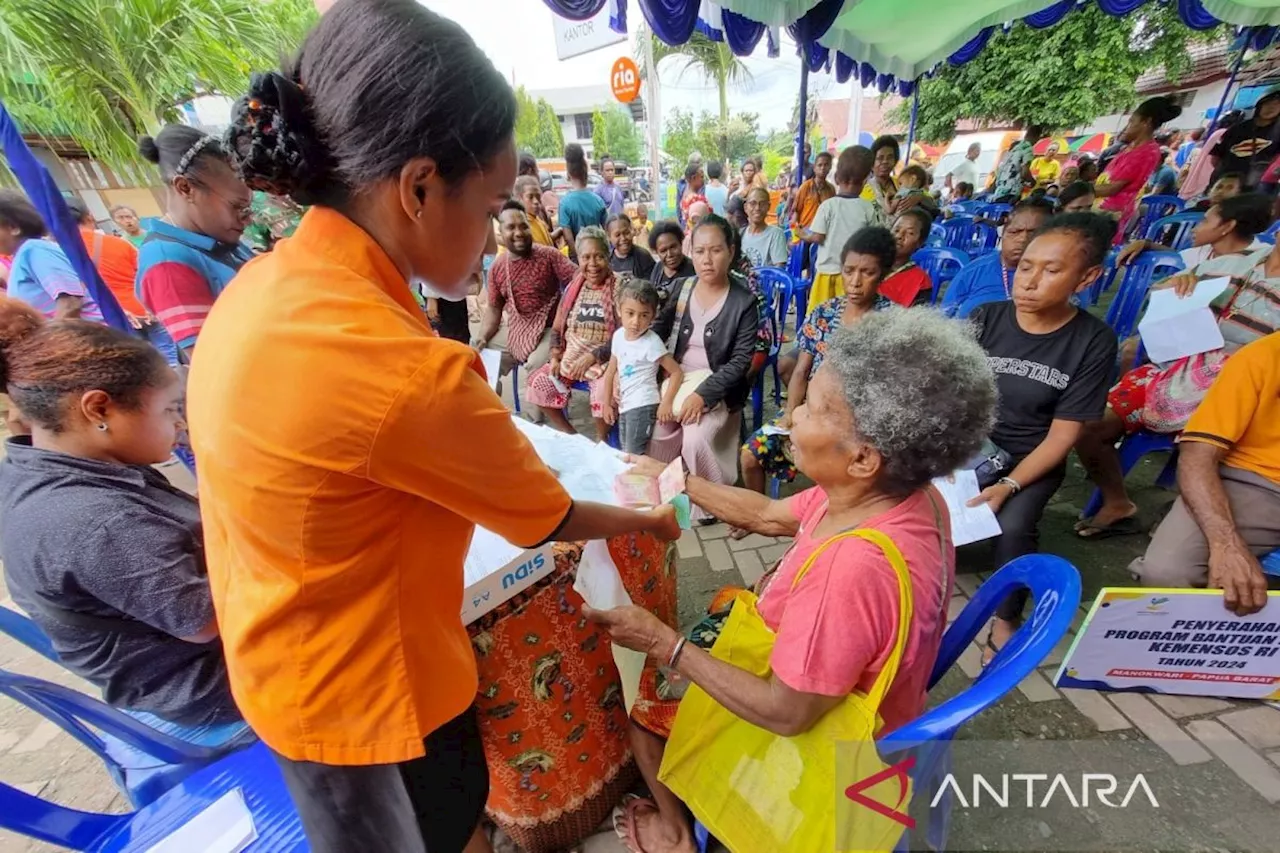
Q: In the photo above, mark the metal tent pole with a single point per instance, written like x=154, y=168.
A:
x=1226, y=92
x=804, y=114
x=911, y=129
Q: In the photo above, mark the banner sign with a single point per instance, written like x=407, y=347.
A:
x=1179, y=641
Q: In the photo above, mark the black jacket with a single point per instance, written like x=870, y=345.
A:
x=730, y=341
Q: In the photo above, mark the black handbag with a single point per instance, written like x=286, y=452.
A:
x=990, y=464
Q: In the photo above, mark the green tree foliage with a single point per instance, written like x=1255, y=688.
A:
x=537, y=127
x=526, y=120
x=598, y=143
x=715, y=62
x=680, y=139
x=739, y=136
x=1056, y=78
x=620, y=138
x=549, y=140
x=106, y=71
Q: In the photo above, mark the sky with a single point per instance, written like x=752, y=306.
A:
x=521, y=44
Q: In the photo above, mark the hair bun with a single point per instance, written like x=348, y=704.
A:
x=272, y=142
x=148, y=149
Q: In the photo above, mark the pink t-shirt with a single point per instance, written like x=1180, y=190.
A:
x=1136, y=166
x=836, y=628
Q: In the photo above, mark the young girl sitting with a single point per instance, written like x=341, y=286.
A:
x=632, y=378
x=103, y=553
x=865, y=260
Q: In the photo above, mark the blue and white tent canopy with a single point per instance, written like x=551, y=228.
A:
x=889, y=43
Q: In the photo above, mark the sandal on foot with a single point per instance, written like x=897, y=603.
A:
x=1126, y=526
x=624, y=824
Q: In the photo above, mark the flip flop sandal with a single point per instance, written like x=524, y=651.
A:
x=624, y=824
x=1127, y=526
x=990, y=643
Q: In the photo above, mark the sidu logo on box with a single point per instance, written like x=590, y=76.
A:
x=524, y=571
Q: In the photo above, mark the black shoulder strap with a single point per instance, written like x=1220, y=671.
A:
x=221, y=253
x=105, y=624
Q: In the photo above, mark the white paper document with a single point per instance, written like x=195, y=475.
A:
x=492, y=359
x=224, y=827
x=968, y=523
x=1174, y=327
x=600, y=585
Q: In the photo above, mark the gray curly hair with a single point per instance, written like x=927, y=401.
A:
x=919, y=391
x=593, y=232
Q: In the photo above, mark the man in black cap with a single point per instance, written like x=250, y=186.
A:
x=1250, y=146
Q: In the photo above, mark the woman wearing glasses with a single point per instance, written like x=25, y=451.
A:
x=191, y=254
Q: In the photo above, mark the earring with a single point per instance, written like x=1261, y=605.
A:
x=102, y=427
x=419, y=213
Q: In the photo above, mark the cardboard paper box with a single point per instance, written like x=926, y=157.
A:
x=496, y=571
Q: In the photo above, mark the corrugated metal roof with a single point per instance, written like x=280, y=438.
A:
x=1209, y=62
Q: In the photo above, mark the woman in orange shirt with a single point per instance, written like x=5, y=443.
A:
x=346, y=453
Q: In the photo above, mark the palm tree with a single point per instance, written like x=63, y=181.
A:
x=714, y=61
x=105, y=71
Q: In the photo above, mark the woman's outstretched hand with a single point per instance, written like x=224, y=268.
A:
x=645, y=465
x=637, y=629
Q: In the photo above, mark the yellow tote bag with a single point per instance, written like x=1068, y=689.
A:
x=759, y=792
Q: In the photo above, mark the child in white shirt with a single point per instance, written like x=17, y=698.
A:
x=632, y=377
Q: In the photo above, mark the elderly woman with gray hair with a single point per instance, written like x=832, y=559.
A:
x=580, y=335
x=902, y=397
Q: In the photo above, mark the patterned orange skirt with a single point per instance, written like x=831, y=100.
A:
x=552, y=716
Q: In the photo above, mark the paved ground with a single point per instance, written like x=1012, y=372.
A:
x=1214, y=765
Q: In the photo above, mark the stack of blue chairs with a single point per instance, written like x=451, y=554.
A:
x=958, y=232
x=996, y=212
x=941, y=263
x=1269, y=236
x=1176, y=228
x=1141, y=272
x=774, y=284
x=1155, y=207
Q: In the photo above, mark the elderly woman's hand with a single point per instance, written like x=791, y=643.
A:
x=636, y=628
x=579, y=367
x=691, y=411
x=646, y=466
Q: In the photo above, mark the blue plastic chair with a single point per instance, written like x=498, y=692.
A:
x=1149, y=266
x=1269, y=236
x=982, y=239
x=957, y=232
x=937, y=236
x=22, y=629
x=1271, y=564
x=941, y=263
x=796, y=289
x=773, y=286
x=613, y=439
x=996, y=212
x=143, y=761
x=1104, y=281
x=1155, y=207
x=1055, y=587
x=1133, y=448
x=1174, y=230
x=253, y=772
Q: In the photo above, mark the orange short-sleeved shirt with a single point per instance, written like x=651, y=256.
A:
x=1241, y=412
x=117, y=261
x=345, y=453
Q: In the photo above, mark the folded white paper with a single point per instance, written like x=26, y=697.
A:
x=600, y=585
x=1174, y=327
x=968, y=523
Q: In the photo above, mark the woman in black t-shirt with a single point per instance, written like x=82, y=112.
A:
x=1053, y=364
